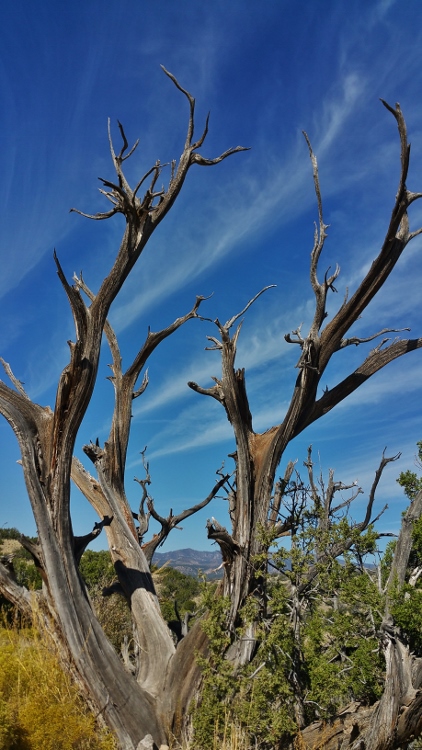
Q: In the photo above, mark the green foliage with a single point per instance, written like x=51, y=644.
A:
x=387, y=561
x=335, y=659
x=97, y=569
x=341, y=646
x=406, y=602
x=11, y=533
x=218, y=676
x=25, y=570
x=416, y=555
x=23, y=566
x=317, y=636
x=174, y=586
x=112, y=611
x=406, y=608
x=264, y=703
x=409, y=480
x=39, y=707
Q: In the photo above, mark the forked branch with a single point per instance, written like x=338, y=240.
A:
x=125, y=200
x=384, y=462
x=173, y=521
x=355, y=340
x=396, y=239
x=124, y=383
x=376, y=360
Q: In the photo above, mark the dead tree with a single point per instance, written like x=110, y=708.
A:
x=258, y=455
x=156, y=702
x=46, y=439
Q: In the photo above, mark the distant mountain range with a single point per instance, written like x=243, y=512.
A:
x=192, y=562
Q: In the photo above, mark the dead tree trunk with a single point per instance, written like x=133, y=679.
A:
x=46, y=442
x=156, y=704
x=258, y=455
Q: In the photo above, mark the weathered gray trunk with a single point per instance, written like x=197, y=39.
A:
x=47, y=440
x=258, y=456
x=167, y=678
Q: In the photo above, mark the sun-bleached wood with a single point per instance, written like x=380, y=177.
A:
x=156, y=702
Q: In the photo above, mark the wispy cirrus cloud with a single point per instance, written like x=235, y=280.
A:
x=275, y=193
x=204, y=424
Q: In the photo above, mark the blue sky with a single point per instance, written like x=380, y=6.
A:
x=265, y=71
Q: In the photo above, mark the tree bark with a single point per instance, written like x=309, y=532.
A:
x=157, y=703
x=46, y=441
x=258, y=455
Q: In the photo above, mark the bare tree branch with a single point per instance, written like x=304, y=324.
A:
x=279, y=492
x=232, y=320
x=354, y=340
x=17, y=383
x=18, y=595
x=172, y=522
x=376, y=360
x=81, y=542
x=384, y=462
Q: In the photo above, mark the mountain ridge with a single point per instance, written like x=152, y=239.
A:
x=192, y=562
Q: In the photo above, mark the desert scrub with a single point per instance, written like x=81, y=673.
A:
x=251, y=706
x=40, y=708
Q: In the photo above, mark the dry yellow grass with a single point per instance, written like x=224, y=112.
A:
x=8, y=546
x=39, y=706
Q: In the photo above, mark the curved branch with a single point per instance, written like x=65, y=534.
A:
x=171, y=522
x=404, y=145
x=232, y=320
x=124, y=384
x=320, y=234
x=153, y=339
x=375, y=361
x=355, y=340
x=17, y=383
x=218, y=533
x=191, y=101
x=198, y=159
x=80, y=543
x=367, y=520
x=79, y=310
x=395, y=241
x=214, y=392
x=108, y=330
x=279, y=492
x=18, y=595
x=96, y=217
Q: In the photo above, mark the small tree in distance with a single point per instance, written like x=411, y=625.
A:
x=157, y=701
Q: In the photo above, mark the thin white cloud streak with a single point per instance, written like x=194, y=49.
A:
x=263, y=343
x=336, y=112
x=198, y=426
x=279, y=193
x=173, y=389
x=34, y=172
x=275, y=192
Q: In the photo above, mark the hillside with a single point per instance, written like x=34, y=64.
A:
x=192, y=562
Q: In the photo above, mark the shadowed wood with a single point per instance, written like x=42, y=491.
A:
x=168, y=678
